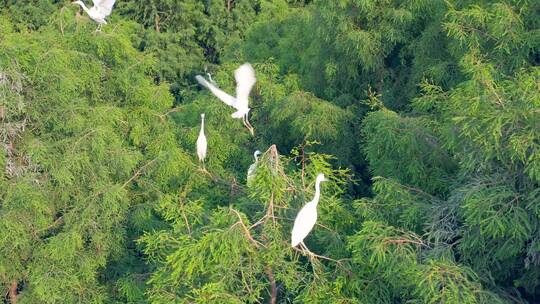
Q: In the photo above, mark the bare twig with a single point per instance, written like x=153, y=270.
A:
x=405, y=241
x=273, y=287
x=256, y=243
x=139, y=172
x=162, y=116
x=156, y=23
x=216, y=179
x=184, y=216
x=313, y=257
x=13, y=293
x=303, y=160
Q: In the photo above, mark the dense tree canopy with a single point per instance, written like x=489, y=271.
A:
x=423, y=114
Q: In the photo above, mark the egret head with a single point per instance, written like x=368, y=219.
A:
x=256, y=155
x=321, y=178
x=202, y=115
x=78, y=2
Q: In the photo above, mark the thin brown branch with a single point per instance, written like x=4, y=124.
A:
x=303, y=160
x=217, y=179
x=62, y=23
x=12, y=293
x=156, y=23
x=246, y=230
x=313, y=257
x=59, y=221
x=76, y=143
x=270, y=211
x=139, y=172
x=403, y=241
x=273, y=287
x=260, y=221
x=185, y=217
x=173, y=110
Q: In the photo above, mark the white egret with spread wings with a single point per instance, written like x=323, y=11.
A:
x=245, y=79
x=98, y=12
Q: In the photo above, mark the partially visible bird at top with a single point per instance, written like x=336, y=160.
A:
x=245, y=79
x=253, y=167
x=307, y=217
x=98, y=12
x=201, y=143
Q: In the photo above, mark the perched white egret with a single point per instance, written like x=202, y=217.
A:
x=201, y=142
x=251, y=169
x=245, y=79
x=98, y=12
x=307, y=216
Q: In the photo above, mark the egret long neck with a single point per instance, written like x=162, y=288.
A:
x=202, y=126
x=317, y=192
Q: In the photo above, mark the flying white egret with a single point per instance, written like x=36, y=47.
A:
x=307, y=216
x=98, y=12
x=245, y=79
x=251, y=169
x=201, y=142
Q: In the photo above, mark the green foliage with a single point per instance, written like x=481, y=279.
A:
x=405, y=149
x=340, y=49
x=423, y=114
x=394, y=257
x=28, y=15
x=229, y=254
x=73, y=105
x=302, y=116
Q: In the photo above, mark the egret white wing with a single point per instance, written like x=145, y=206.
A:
x=105, y=6
x=304, y=222
x=226, y=98
x=245, y=79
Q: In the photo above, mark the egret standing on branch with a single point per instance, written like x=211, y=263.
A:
x=201, y=143
x=245, y=79
x=307, y=216
x=251, y=169
x=98, y=12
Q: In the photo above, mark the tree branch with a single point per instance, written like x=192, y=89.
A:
x=246, y=230
x=139, y=172
x=273, y=287
x=13, y=293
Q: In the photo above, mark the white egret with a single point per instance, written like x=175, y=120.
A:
x=245, y=79
x=251, y=169
x=98, y=12
x=201, y=142
x=307, y=216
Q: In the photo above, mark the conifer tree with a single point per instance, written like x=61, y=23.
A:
x=424, y=114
